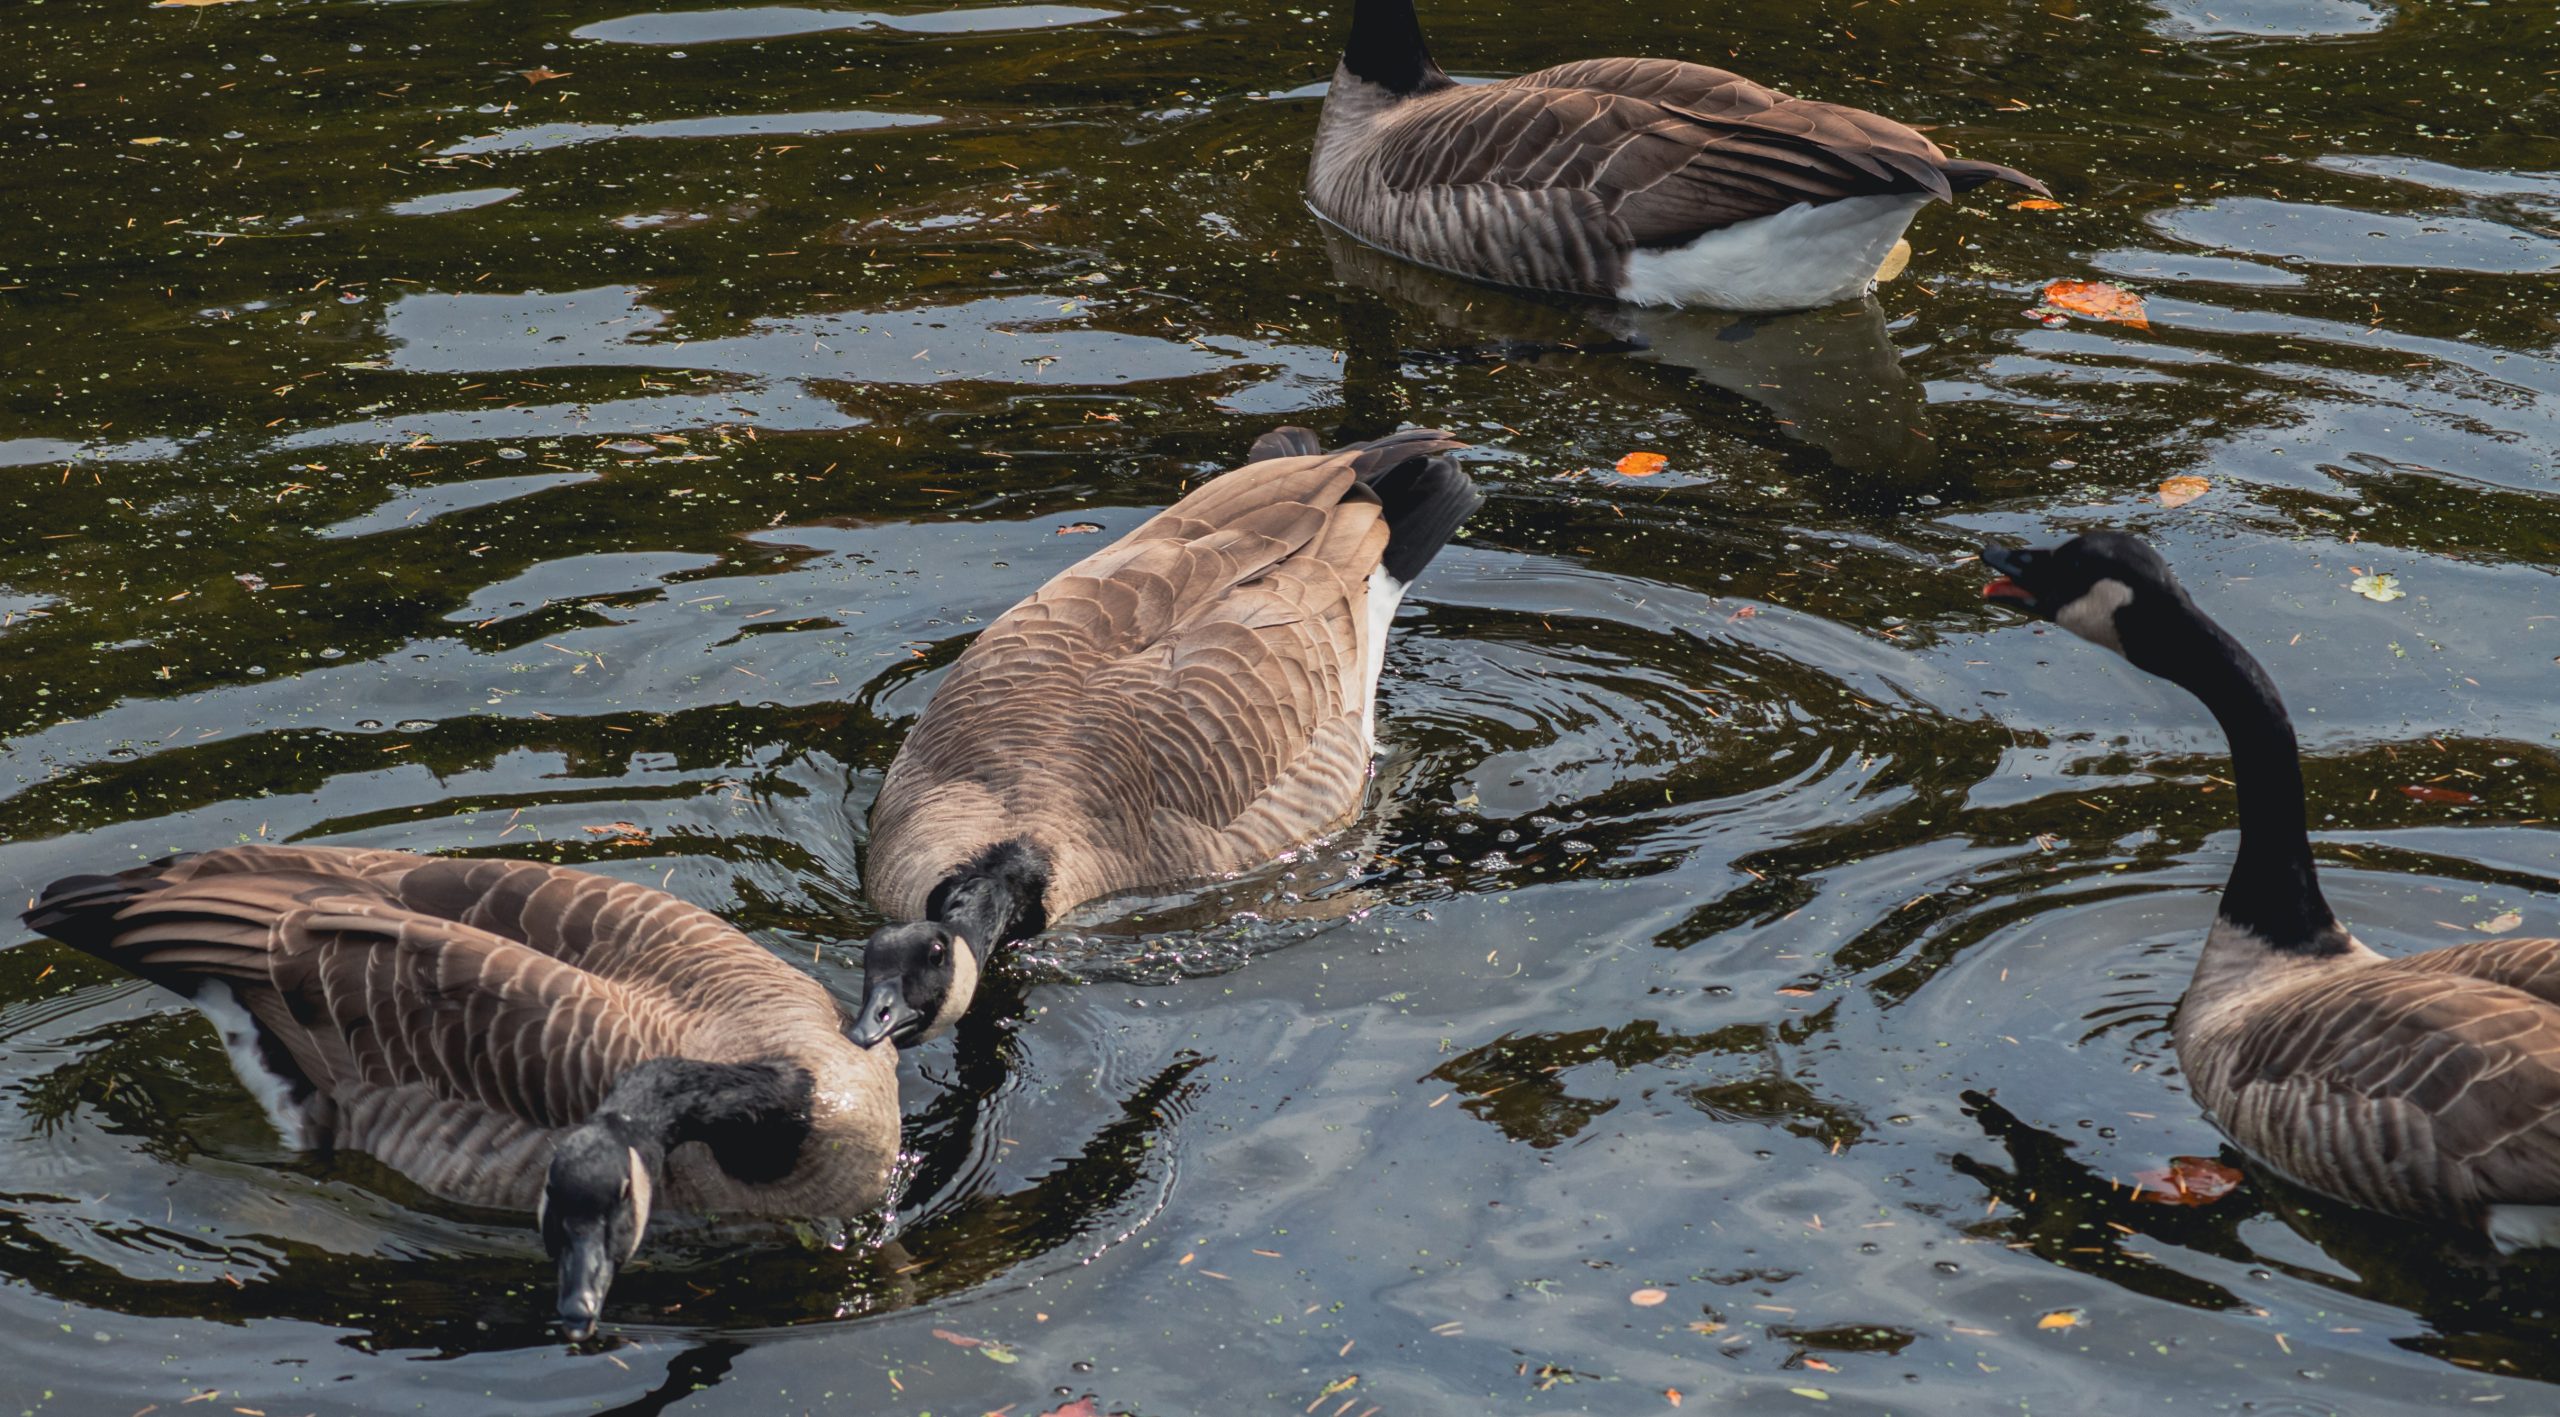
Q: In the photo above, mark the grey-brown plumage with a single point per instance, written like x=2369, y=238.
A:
x=2427, y=1085
x=453, y=1017
x=1189, y=701
x=1601, y=177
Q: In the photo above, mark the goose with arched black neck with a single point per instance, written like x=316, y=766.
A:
x=2426, y=1085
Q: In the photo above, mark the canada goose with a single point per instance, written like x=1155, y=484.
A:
x=2427, y=1085
x=1646, y=180
x=510, y=1034
x=1190, y=700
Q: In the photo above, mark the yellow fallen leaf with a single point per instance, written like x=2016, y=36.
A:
x=2500, y=923
x=1894, y=262
x=146, y=142
x=1642, y=464
x=170, y=4
x=1647, y=1298
x=2036, y=204
x=2060, y=1318
x=2099, y=301
x=2182, y=489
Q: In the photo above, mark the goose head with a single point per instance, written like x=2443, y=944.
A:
x=2107, y=587
x=594, y=1209
x=917, y=979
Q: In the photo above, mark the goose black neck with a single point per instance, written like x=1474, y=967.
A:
x=753, y=1116
x=2274, y=890
x=996, y=899
x=1386, y=48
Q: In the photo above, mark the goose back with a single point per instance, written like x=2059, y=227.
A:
x=1187, y=701
x=450, y=1017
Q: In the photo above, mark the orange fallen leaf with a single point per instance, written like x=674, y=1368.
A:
x=2182, y=489
x=1671, y=1395
x=1079, y=528
x=1794, y=992
x=2189, y=1180
x=1081, y=1407
x=958, y=1340
x=2420, y=792
x=1642, y=464
x=2060, y=1318
x=2099, y=301
x=535, y=76
x=2036, y=204
x=1820, y=1366
x=1647, y=1298
x=173, y=4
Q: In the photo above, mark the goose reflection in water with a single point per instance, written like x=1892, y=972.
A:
x=1830, y=378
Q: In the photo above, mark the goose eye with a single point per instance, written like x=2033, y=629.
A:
x=935, y=952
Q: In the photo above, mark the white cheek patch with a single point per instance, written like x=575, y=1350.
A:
x=964, y=987
x=2093, y=616
x=639, y=1203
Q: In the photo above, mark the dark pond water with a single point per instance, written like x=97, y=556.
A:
x=468, y=427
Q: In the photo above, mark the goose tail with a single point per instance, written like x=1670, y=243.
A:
x=1424, y=495
x=81, y=911
x=1965, y=174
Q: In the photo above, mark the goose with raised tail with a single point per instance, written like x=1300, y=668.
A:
x=1189, y=701
x=512, y=1035
x=2426, y=1085
x=1646, y=180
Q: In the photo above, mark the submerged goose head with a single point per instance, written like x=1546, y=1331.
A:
x=594, y=1209
x=2107, y=587
x=917, y=980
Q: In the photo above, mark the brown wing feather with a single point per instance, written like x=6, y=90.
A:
x=2424, y=1085
x=524, y=988
x=1671, y=150
x=1180, y=703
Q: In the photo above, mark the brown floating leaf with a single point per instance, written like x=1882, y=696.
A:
x=535, y=76
x=1647, y=1298
x=2189, y=1180
x=1079, y=528
x=2182, y=489
x=2099, y=301
x=958, y=1340
x=2036, y=204
x=2420, y=792
x=2500, y=923
x=173, y=4
x=1642, y=464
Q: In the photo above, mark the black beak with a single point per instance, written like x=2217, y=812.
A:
x=885, y=1014
x=586, y=1272
x=2009, y=563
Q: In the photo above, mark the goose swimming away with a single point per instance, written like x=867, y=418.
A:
x=2426, y=1085
x=512, y=1035
x=1645, y=180
x=1187, y=702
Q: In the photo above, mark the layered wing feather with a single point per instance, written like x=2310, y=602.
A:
x=1183, y=702
x=1669, y=150
x=2424, y=1085
x=404, y=987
